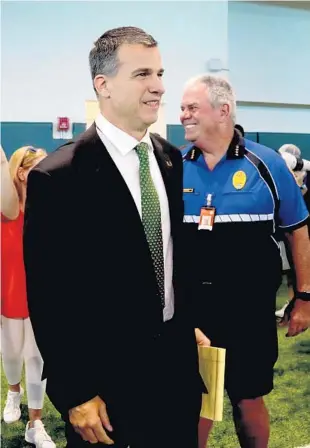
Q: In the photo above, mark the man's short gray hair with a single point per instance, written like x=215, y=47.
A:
x=220, y=92
x=103, y=58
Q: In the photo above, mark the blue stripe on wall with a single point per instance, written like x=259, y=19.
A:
x=17, y=134
x=175, y=134
x=274, y=140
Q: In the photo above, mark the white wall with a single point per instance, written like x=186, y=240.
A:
x=274, y=119
x=46, y=44
x=269, y=61
x=45, y=48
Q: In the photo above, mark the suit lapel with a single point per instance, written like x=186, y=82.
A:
x=166, y=168
x=101, y=164
x=163, y=160
x=100, y=161
x=101, y=167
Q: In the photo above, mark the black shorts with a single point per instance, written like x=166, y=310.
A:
x=249, y=335
x=249, y=366
x=242, y=320
x=248, y=375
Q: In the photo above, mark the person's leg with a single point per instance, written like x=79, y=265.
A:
x=12, y=335
x=179, y=426
x=33, y=369
x=204, y=429
x=252, y=364
x=252, y=423
x=176, y=423
x=251, y=378
x=35, y=432
x=165, y=403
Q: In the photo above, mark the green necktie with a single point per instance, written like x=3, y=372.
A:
x=151, y=217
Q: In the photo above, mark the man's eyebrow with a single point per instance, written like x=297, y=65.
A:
x=146, y=70
x=190, y=105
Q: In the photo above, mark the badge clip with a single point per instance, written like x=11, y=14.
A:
x=207, y=215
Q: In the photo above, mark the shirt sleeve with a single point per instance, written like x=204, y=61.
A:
x=293, y=212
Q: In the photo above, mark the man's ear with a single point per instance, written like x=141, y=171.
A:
x=224, y=111
x=101, y=86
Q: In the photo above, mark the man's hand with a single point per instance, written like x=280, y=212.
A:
x=298, y=319
x=201, y=338
x=90, y=419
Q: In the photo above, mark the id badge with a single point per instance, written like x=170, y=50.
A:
x=206, y=220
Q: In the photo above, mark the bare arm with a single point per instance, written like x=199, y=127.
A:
x=9, y=196
x=300, y=246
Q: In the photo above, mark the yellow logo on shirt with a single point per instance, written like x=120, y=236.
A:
x=239, y=180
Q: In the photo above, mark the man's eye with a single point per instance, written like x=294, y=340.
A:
x=143, y=75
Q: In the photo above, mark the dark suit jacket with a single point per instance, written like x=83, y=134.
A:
x=90, y=281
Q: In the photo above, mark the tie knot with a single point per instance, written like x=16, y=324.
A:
x=142, y=148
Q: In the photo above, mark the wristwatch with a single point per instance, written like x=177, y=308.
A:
x=303, y=295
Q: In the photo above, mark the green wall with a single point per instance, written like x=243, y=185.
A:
x=270, y=139
x=17, y=134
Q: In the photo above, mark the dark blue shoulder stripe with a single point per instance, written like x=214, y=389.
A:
x=267, y=178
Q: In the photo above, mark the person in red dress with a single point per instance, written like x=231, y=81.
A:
x=18, y=343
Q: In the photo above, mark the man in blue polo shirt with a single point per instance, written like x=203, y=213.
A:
x=237, y=193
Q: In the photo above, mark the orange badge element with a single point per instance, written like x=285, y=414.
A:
x=206, y=221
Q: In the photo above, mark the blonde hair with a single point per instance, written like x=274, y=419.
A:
x=24, y=157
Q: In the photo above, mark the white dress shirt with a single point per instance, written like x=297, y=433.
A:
x=121, y=146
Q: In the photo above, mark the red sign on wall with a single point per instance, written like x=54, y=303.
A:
x=63, y=124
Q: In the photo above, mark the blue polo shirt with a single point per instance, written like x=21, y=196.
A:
x=254, y=195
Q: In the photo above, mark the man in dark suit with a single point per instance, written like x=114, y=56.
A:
x=104, y=265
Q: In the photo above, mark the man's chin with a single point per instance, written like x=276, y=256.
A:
x=190, y=137
x=150, y=120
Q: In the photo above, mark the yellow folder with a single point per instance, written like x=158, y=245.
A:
x=212, y=371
